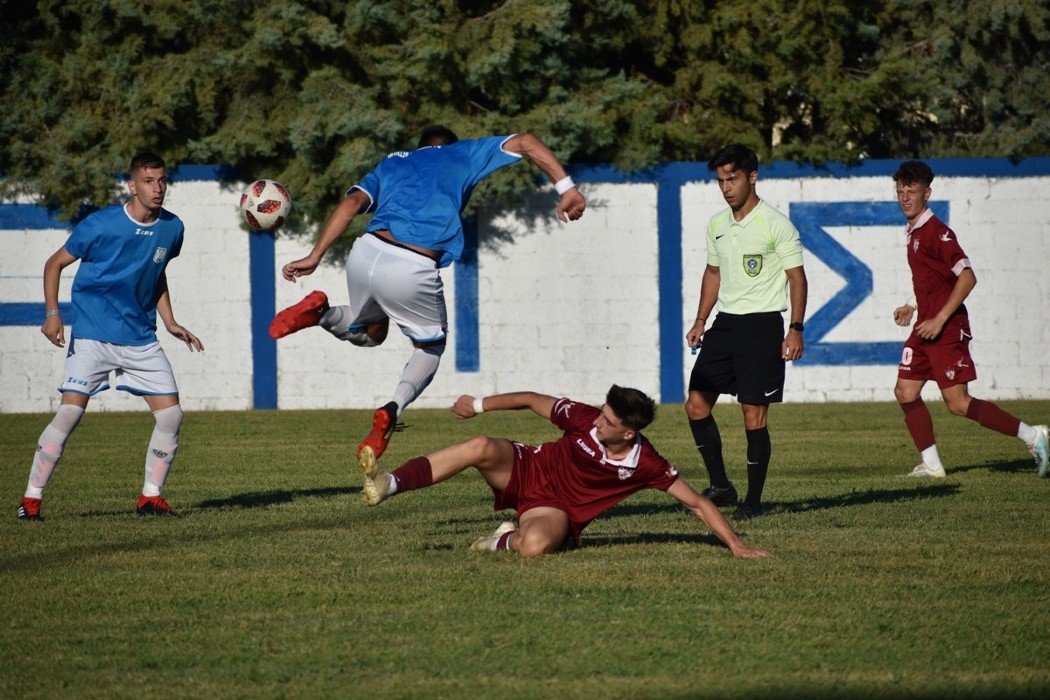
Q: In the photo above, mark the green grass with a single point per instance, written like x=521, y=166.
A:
x=279, y=582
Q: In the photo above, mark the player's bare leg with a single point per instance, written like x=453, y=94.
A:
x=492, y=457
x=541, y=531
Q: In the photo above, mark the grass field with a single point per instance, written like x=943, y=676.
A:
x=279, y=582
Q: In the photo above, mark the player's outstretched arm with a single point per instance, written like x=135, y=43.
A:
x=571, y=204
x=709, y=515
x=340, y=218
x=467, y=406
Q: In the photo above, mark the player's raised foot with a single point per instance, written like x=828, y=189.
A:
x=1040, y=449
x=384, y=420
x=296, y=317
x=747, y=511
x=489, y=542
x=29, y=509
x=925, y=471
x=377, y=480
x=721, y=495
x=155, y=505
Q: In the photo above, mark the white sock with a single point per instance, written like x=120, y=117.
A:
x=1026, y=433
x=162, y=447
x=421, y=368
x=50, y=446
x=931, y=459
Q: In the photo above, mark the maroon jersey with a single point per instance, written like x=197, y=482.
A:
x=575, y=475
x=936, y=259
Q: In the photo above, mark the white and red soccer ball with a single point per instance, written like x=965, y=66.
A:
x=265, y=205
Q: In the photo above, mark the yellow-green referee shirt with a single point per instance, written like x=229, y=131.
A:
x=751, y=256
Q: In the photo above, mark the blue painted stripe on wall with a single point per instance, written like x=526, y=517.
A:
x=468, y=353
x=669, y=242
x=31, y=313
x=261, y=267
x=29, y=217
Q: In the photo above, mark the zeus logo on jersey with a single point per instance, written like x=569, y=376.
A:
x=143, y=232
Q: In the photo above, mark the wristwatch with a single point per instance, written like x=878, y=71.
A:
x=796, y=326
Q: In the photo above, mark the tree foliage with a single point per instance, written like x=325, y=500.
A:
x=315, y=92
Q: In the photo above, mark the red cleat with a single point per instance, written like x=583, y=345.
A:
x=155, y=505
x=29, y=509
x=306, y=313
x=384, y=420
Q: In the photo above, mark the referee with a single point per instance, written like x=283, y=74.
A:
x=754, y=255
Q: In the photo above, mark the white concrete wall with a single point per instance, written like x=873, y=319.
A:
x=564, y=309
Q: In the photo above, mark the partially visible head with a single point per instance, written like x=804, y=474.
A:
x=145, y=159
x=148, y=180
x=914, y=172
x=437, y=135
x=737, y=155
x=632, y=407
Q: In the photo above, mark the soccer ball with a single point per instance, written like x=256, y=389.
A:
x=265, y=205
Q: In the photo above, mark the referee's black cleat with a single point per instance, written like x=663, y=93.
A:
x=747, y=511
x=721, y=496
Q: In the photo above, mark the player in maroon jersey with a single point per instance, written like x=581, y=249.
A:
x=939, y=345
x=557, y=488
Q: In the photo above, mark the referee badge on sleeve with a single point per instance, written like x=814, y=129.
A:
x=752, y=265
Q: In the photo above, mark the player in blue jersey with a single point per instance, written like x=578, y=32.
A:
x=118, y=290
x=393, y=271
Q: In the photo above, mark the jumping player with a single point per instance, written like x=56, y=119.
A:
x=939, y=345
x=118, y=290
x=559, y=487
x=393, y=272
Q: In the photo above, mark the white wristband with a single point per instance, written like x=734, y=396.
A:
x=50, y=312
x=479, y=405
x=912, y=303
x=564, y=185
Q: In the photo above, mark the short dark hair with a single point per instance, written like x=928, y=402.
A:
x=634, y=408
x=437, y=135
x=735, y=154
x=914, y=172
x=145, y=159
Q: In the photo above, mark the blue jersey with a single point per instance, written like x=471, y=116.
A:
x=115, y=290
x=418, y=195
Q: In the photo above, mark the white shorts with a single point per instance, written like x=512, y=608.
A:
x=387, y=281
x=138, y=369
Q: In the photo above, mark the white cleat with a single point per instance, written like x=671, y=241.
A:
x=924, y=470
x=489, y=542
x=1040, y=448
x=377, y=481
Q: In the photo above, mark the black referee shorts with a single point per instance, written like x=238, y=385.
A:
x=741, y=355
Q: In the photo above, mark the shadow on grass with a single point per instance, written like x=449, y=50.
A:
x=265, y=499
x=855, y=498
x=1016, y=467
x=260, y=499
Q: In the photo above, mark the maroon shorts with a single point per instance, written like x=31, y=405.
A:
x=947, y=363
x=530, y=488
